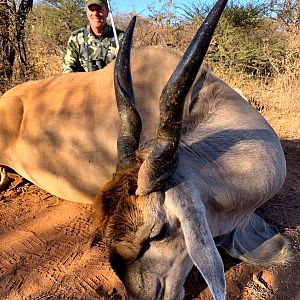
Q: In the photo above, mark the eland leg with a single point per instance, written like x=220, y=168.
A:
x=3, y=178
x=256, y=242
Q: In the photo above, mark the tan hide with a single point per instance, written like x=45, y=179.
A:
x=60, y=133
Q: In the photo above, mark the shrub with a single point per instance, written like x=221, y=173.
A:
x=246, y=39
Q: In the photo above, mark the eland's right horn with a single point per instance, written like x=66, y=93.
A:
x=161, y=163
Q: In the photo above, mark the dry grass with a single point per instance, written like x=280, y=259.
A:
x=278, y=98
x=45, y=59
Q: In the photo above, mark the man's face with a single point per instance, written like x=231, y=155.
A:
x=97, y=16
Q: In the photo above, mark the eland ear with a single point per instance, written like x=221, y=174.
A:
x=185, y=201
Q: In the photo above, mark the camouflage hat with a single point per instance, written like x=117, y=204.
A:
x=98, y=2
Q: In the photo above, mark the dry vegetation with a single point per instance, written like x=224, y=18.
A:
x=275, y=95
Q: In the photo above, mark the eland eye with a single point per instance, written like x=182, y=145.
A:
x=162, y=234
x=118, y=263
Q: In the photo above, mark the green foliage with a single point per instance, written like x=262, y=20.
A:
x=246, y=38
x=245, y=16
x=56, y=19
x=251, y=49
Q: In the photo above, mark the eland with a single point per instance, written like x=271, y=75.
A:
x=169, y=195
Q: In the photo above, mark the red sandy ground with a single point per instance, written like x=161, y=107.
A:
x=46, y=253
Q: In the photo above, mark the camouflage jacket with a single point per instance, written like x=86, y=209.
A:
x=93, y=55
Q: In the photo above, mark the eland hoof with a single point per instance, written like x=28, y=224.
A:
x=3, y=178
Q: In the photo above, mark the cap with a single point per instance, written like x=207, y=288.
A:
x=98, y=2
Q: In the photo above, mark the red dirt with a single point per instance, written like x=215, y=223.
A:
x=46, y=253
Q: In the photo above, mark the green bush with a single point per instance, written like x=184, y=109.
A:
x=250, y=49
x=55, y=20
x=246, y=39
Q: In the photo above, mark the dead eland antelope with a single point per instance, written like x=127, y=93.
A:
x=177, y=193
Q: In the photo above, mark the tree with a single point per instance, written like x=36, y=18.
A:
x=56, y=19
x=288, y=12
x=12, y=35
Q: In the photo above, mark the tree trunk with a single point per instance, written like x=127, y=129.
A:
x=7, y=49
x=12, y=36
